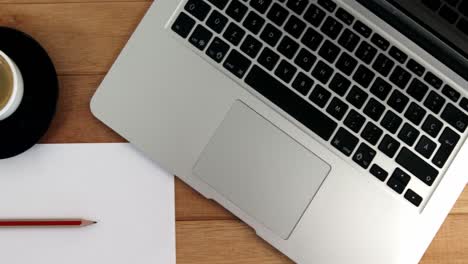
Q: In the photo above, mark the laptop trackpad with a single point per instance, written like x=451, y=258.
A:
x=261, y=169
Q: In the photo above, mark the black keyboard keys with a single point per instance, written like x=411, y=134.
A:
x=415, y=67
x=302, y=83
x=378, y=172
x=183, y=25
x=398, y=55
x=398, y=101
x=221, y=4
x=398, y=181
x=216, y=21
x=391, y=122
x=363, y=76
x=448, y=141
x=417, y=89
x=314, y=15
x=389, y=146
x=354, y=121
x=366, y=52
x=251, y=46
x=253, y=22
x=329, y=5
x=433, y=80
x=451, y=93
x=322, y=72
x=432, y=126
x=271, y=35
x=320, y=96
x=288, y=47
x=331, y=27
x=285, y=71
x=277, y=14
x=415, y=114
x=305, y=59
x=268, y=58
x=434, y=102
x=383, y=65
x=464, y=104
x=329, y=51
x=400, y=77
x=357, y=97
x=294, y=26
x=426, y=147
x=200, y=37
x=345, y=142
x=198, y=8
x=344, y=16
x=417, y=166
x=381, y=88
x=413, y=197
x=297, y=6
x=234, y=34
x=346, y=63
x=340, y=84
x=349, y=40
x=237, y=63
x=236, y=10
x=362, y=29
x=337, y=108
x=374, y=109
x=371, y=133
x=312, y=39
x=408, y=134
x=217, y=49
x=260, y=5
x=364, y=156
x=455, y=117
x=380, y=42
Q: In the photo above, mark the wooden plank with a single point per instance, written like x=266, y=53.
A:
x=226, y=242
x=81, y=38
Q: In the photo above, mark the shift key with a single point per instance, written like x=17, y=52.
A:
x=417, y=166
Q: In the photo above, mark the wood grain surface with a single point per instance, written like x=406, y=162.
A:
x=83, y=38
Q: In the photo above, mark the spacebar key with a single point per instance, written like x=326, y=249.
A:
x=291, y=103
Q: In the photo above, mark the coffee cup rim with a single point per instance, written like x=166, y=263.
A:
x=18, y=89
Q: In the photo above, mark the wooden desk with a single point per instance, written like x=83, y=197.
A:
x=84, y=37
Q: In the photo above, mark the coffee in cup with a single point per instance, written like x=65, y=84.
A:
x=11, y=86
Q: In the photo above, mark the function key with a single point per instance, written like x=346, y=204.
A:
x=364, y=156
x=217, y=49
x=415, y=67
x=200, y=37
x=332, y=27
x=380, y=42
x=426, y=147
x=237, y=63
x=413, y=197
x=216, y=21
x=236, y=10
x=464, y=104
x=314, y=15
x=329, y=5
x=400, y=77
x=398, y=55
x=277, y=14
x=260, y=5
x=451, y=93
x=362, y=29
x=455, y=117
x=378, y=172
x=198, y=9
x=349, y=40
x=417, y=166
x=297, y=6
x=345, y=142
x=253, y=22
x=221, y=4
x=398, y=181
x=448, y=140
x=433, y=80
x=389, y=146
x=432, y=126
x=344, y=16
x=183, y=25
x=434, y=102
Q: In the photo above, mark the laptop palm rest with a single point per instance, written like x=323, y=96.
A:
x=262, y=170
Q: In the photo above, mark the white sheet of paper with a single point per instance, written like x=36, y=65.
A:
x=131, y=198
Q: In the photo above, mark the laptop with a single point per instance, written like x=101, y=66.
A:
x=336, y=129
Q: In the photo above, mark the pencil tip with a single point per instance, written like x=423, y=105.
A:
x=94, y=222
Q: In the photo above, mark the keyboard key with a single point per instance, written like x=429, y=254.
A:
x=374, y=109
x=302, y=83
x=364, y=156
x=464, y=104
x=434, y=102
x=294, y=26
x=398, y=55
x=362, y=29
x=198, y=8
x=426, y=147
x=448, y=141
x=268, y=58
x=236, y=10
x=337, y=108
x=391, y=122
x=312, y=39
x=415, y=67
x=380, y=42
x=200, y=37
x=271, y=35
x=237, y=63
x=455, y=117
x=216, y=21
x=363, y=76
x=346, y=63
x=349, y=40
x=297, y=6
x=251, y=46
x=234, y=34
x=217, y=49
x=277, y=14
x=417, y=90
x=448, y=14
x=451, y=93
x=345, y=142
x=371, y=133
x=253, y=22
x=332, y=27
x=434, y=5
x=328, y=5
x=381, y=88
x=415, y=114
x=322, y=72
x=432, y=126
x=260, y=5
x=366, y=52
x=398, y=101
x=433, y=80
x=340, y=84
x=383, y=65
x=329, y=51
x=417, y=166
x=305, y=59
x=354, y=121
x=320, y=96
x=378, y=172
x=221, y=4
x=183, y=25
x=285, y=71
x=398, y=181
x=344, y=16
x=400, y=77
x=314, y=15
x=413, y=197
x=389, y=146
x=288, y=47
x=291, y=103
x=408, y=134
x=357, y=97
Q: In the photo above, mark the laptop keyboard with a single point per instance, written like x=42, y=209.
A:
x=337, y=77
x=453, y=11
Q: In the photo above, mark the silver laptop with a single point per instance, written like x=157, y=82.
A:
x=335, y=129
